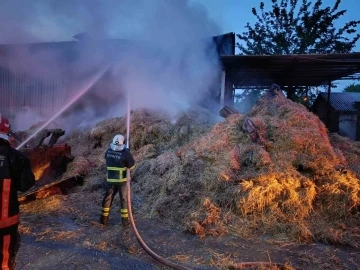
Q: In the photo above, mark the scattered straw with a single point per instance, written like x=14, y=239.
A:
x=210, y=176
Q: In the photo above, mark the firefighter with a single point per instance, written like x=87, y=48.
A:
x=118, y=159
x=16, y=175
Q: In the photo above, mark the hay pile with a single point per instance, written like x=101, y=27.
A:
x=212, y=179
x=350, y=149
x=152, y=133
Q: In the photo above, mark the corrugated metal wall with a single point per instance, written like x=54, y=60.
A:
x=45, y=96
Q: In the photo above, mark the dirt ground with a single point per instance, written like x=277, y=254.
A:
x=206, y=196
x=63, y=237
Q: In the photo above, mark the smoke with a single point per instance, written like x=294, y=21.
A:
x=159, y=51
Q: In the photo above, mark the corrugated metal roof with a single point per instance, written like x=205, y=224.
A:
x=343, y=101
x=261, y=71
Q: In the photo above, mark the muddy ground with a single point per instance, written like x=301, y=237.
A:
x=57, y=234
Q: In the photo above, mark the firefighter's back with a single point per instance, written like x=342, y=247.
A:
x=15, y=175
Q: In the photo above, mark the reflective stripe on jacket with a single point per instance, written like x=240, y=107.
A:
x=117, y=162
x=15, y=175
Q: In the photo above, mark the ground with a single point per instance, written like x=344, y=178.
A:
x=206, y=196
x=63, y=237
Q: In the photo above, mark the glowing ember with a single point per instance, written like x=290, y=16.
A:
x=39, y=171
x=223, y=176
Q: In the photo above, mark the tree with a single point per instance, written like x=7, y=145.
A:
x=246, y=99
x=352, y=88
x=281, y=31
x=292, y=28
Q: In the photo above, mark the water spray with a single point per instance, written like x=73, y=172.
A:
x=86, y=88
x=138, y=237
x=128, y=120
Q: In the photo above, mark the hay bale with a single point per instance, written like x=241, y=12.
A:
x=164, y=163
x=296, y=136
x=253, y=155
x=348, y=151
x=80, y=166
x=105, y=130
x=341, y=193
x=209, y=222
x=147, y=151
x=149, y=127
x=278, y=187
x=80, y=143
x=192, y=123
x=146, y=127
x=288, y=197
x=283, y=184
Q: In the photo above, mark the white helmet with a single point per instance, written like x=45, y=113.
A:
x=117, y=143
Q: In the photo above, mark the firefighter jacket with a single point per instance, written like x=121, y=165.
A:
x=117, y=162
x=15, y=175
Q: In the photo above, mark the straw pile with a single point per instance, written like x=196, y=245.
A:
x=350, y=149
x=211, y=179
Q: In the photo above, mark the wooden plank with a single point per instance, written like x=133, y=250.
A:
x=227, y=110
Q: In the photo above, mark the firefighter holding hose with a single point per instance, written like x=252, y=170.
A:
x=118, y=160
x=16, y=175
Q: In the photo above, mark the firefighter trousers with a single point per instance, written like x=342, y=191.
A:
x=111, y=190
x=10, y=244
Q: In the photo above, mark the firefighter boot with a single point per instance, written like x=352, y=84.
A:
x=104, y=220
x=125, y=222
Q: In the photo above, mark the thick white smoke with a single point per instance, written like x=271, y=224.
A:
x=163, y=54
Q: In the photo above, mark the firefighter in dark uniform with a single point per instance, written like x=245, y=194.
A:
x=118, y=159
x=16, y=175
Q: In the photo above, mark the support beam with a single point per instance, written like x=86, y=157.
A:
x=222, y=93
x=229, y=92
x=290, y=92
x=328, y=105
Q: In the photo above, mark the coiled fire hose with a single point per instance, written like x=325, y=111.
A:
x=138, y=237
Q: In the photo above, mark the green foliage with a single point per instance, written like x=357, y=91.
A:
x=245, y=100
x=352, y=88
x=289, y=28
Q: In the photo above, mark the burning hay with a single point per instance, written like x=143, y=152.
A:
x=214, y=178
x=147, y=127
x=284, y=183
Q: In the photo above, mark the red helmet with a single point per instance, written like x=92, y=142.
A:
x=4, y=125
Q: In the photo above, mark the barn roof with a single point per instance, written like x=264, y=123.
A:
x=261, y=71
x=342, y=101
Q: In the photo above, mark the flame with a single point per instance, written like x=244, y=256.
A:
x=38, y=171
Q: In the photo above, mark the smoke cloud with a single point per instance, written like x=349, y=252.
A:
x=159, y=51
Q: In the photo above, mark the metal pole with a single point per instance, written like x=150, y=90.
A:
x=328, y=106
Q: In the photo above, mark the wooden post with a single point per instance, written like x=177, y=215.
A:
x=222, y=93
x=229, y=92
x=328, y=105
x=226, y=111
x=290, y=92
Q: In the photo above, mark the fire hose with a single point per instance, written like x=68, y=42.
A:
x=132, y=222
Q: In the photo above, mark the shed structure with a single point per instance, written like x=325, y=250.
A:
x=344, y=114
x=290, y=72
